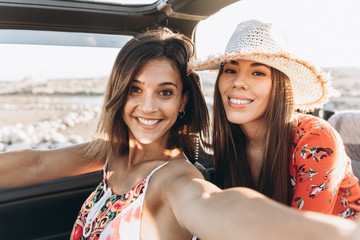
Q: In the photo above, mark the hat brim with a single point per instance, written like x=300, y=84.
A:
x=311, y=86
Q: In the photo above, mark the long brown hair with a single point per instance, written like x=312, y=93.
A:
x=231, y=165
x=156, y=43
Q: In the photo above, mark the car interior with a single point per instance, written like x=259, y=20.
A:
x=48, y=210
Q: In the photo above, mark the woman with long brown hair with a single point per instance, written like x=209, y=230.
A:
x=261, y=141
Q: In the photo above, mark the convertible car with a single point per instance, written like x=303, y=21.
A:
x=48, y=210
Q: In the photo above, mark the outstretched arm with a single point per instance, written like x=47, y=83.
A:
x=25, y=167
x=210, y=213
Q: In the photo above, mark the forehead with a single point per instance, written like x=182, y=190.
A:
x=158, y=70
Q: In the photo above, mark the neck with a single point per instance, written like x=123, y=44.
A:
x=140, y=152
x=254, y=132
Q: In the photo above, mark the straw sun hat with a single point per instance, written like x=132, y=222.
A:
x=263, y=42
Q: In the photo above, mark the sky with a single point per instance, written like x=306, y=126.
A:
x=325, y=32
x=40, y=63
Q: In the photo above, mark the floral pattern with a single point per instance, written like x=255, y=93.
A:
x=115, y=205
x=320, y=172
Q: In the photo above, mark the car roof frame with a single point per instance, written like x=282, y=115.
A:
x=96, y=17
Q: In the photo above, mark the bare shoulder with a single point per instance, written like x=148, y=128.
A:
x=172, y=182
x=177, y=172
x=180, y=167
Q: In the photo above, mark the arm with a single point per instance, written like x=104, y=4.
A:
x=210, y=213
x=25, y=167
x=318, y=167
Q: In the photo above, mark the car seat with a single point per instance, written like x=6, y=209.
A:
x=347, y=123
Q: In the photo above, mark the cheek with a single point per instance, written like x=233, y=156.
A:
x=174, y=108
x=126, y=110
x=265, y=90
x=223, y=85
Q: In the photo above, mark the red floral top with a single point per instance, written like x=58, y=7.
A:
x=320, y=171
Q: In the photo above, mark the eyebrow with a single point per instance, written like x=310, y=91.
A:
x=254, y=64
x=161, y=84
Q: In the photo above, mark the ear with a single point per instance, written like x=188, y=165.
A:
x=184, y=101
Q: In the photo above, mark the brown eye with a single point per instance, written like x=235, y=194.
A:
x=230, y=71
x=135, y=89
x=259, y=73
x=166, y=93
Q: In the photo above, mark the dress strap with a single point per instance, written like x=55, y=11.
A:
x=105, y=167
x=153, y=171
x=150, y=175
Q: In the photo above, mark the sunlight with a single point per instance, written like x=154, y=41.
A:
x=325, y=31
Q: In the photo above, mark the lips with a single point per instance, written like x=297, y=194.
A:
x=148, y=123
x=240, y=101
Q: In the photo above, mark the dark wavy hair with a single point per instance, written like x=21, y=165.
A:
x=113, y=139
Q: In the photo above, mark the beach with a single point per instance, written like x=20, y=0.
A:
x=56, y=113
x=46, y=115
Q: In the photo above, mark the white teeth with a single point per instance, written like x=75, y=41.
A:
x=240, y=101
x=148, y=122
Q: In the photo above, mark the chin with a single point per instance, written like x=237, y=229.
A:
x=145, y=140
x=236, y=118
x=241, y=121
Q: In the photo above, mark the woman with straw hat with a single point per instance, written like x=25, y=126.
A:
x=261, y=141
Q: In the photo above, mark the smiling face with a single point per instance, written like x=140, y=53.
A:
x=245, y=89
x=155, y=99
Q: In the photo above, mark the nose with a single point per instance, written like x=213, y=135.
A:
x=239, y=81
x=147, y=103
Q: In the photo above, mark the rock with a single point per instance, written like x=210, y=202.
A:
x=75, y=139
x=2, y=147
x=69, y=121
x=19, y=136
x=5, y=135
x=57, y=138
